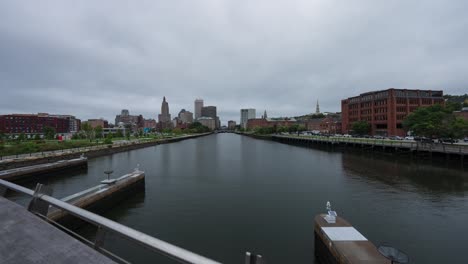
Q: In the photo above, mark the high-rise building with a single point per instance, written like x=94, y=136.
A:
x=246, y=114
x=164, y=118
x=317, y=108
x=385, y=110
x=231, y=125
x=186, y=117
x=209, y=111
x=198, y=108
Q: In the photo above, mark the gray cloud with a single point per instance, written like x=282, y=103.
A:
x=93, y=58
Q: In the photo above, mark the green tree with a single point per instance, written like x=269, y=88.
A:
x=199, y=128
x=361, y=127
x=98, y=131
x=108, y=139
x=436, y=121
x=49, y=133
x=21, y=137
x=88, y=131
x=37, y=137
x=119, y=133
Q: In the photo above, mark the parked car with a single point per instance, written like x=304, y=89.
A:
x=378, y=137
x=424, y=139
x=465, y=139
x=409, y=138
x=448, y=140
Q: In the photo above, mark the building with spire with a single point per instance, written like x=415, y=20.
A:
x=265, y=116
x=164, y=118
x=317, y=108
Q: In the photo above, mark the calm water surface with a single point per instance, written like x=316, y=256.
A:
x=224, y=194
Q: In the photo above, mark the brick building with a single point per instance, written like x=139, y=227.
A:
x=34, y=124
x=268, y=122
x=463, y=113
x=385, y=110
x=98, y=122
x=327, y=125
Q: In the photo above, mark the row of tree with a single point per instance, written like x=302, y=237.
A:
x=435, y=121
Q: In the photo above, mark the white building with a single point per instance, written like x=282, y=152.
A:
x=246, y=114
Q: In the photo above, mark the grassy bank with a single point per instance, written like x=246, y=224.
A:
x=12, y=147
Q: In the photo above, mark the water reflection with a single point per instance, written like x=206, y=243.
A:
x=418, y=177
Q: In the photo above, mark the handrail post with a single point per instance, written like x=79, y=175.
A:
x=100, y=235
x=37, y=205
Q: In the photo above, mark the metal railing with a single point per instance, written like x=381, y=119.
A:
x=39, y=205
x=414, y=145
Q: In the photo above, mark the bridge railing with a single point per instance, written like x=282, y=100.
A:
x=40, y=203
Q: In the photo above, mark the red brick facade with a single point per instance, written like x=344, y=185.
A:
x=463, y=114
x=261, y=122
x=326, y=125
x=386, y=109
x=32, y=124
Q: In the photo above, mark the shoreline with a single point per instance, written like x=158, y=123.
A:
x=91, y=152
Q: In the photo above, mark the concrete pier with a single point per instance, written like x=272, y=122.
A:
x=25, y=238
x=340, y=243
x=100, y=195
x=42, y=169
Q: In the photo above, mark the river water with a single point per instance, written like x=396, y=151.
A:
x=224, y=194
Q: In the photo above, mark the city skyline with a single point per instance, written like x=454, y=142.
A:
x=99, y=61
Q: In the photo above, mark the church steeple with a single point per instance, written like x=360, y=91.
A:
x=317, y=108
x=265, y=115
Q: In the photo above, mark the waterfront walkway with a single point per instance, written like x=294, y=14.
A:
x=25, y=238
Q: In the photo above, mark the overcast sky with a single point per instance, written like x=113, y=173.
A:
x=93, y=58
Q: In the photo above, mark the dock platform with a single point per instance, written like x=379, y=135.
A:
x=101, y=194
x=341, y=243
x=40, y=169
x=25, y=238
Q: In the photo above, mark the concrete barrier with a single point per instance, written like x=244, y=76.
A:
x=43, y=169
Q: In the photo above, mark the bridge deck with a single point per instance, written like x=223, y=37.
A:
x=25, y=238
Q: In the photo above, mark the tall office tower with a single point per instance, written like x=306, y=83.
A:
x=209, y=111
x=164, y=118
x=198, y=108
x=246, y=114
x=317, y=108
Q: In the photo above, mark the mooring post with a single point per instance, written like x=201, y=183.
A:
x=253, y=259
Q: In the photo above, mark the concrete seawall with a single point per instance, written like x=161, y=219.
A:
x=41, y=169
x=92, y=153
x=416, y=150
